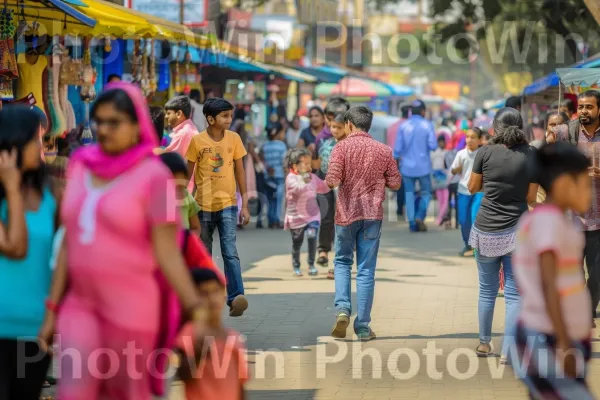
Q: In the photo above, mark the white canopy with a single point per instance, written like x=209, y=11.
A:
x=579, y=76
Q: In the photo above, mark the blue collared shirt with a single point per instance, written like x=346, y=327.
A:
x=415, y=140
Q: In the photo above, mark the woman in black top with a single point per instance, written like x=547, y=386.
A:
x=501, y=170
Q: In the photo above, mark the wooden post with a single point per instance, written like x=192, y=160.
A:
x=594, y=7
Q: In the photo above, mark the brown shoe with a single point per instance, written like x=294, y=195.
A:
x=421, y=227
x=341, y=324
x=238, y=306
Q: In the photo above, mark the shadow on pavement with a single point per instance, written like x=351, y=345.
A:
x=290, y=394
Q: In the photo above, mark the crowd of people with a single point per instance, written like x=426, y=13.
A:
x=85, y=236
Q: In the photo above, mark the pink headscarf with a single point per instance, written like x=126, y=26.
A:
x=108, y=166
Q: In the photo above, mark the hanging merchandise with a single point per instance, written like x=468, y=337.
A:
x=88, y=92
x=187, y=78
x=136, y=64
x=145, y=81
x=8, y=60
x=57, y=114
x=176, y=76
x=152, y=68
x=66, y=65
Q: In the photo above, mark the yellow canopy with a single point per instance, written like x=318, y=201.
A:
x=122, y=22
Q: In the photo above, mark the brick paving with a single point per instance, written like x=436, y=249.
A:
x=425, y=296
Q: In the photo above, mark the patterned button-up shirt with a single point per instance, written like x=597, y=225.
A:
x=363, y=168
x=590, y=146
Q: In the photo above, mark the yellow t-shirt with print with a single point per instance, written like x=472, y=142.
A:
x=214, y=176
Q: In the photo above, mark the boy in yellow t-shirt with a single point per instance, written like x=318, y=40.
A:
x=216, y=157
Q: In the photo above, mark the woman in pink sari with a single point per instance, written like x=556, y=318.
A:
x=121, y=220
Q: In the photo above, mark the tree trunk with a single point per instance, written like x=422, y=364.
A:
x=594, y=7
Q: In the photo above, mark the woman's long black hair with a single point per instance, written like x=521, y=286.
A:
x=508, y=128
x=19, y=125
x=119, y=99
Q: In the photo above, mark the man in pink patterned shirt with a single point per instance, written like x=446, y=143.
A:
x=361, y=168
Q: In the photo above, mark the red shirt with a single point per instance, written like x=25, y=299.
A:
x=363, y=168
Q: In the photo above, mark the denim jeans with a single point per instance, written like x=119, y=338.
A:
x=226, y=222
x=489, y=282
x=276, y=195
x=400, y=198
x=410, y=196
x=362, y=236
x=468, y=205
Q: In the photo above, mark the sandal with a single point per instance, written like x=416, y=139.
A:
x=330, y=274
x=483, y=353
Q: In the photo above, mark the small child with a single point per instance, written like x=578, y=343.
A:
x=440, y=178
x=468, y=204
x=272, y=154
x=338, y=132
x=215, y=368
x=554, y=327
x=302, y=213
x=187, y=205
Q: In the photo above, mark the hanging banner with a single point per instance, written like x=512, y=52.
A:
x=194, y=11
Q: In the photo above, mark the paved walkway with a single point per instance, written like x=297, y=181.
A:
x=426, y=299
x=425, y=304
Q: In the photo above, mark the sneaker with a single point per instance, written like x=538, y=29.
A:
x=330, y=274
x=312, y=271
x=238, y=306
x=341, y=323
x=297, y=272
x=365, y=335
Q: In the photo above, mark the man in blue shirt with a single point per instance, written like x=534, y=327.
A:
x=415, y=140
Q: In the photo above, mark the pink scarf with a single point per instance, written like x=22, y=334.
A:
x=109, y=166
x=181, y=137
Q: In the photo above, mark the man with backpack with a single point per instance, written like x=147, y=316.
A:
x=584, y=132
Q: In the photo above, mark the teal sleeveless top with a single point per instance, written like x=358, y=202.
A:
x=25, y=284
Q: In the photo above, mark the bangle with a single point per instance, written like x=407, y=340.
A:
x=51, y=306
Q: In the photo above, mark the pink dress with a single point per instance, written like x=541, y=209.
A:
x=113, y=295
x=301, y=199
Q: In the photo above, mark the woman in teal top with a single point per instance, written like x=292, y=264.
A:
x=27, y=223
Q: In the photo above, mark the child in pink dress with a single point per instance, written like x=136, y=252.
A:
x=117, y=207
x=302, y=212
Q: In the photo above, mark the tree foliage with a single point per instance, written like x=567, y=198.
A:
x=530, y=22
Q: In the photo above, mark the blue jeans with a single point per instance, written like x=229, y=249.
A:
x=275, y=195
x=362, y=236
x=468, y=205
x=400, y=199
x=226, y=222
x=489, y=283
x=410, y=196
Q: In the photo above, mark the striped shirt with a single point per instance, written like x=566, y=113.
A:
x=548, y=229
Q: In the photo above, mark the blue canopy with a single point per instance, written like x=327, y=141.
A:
x=70, y=11
x=324, y=73
x=553, y=80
